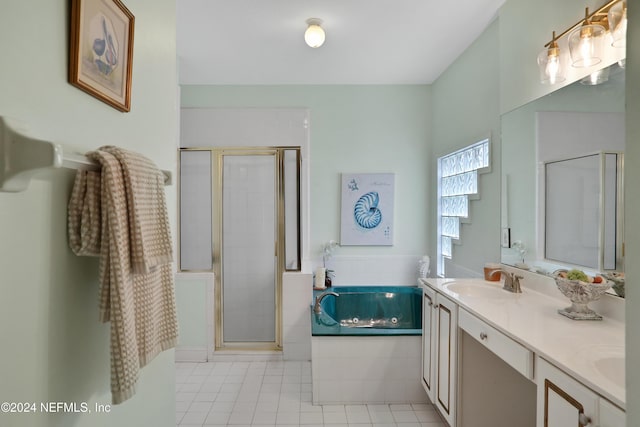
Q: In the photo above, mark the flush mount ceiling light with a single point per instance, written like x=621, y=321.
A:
x=585, y=40
x=314, y=35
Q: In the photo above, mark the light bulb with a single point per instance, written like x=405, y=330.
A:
x=585, y=51
x=552, y=68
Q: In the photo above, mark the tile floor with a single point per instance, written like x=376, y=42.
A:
x=275, y=393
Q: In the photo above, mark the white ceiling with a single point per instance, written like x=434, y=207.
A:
x=367, y=41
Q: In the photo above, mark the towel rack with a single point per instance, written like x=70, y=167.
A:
x=22, y=157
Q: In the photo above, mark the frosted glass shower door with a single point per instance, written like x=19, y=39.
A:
x=249, y=235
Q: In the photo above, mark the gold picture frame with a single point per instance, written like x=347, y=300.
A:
x=101, y=50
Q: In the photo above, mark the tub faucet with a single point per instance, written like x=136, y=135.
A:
x=511, y=280
x=316, y=307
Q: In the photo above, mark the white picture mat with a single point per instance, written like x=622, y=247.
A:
x=375, y=191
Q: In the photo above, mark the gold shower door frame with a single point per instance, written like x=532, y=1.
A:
x=217, y=159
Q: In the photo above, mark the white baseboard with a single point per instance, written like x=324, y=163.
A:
x=191, y=354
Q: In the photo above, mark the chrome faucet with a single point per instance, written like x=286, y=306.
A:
x=511, y=280
x=316, y=307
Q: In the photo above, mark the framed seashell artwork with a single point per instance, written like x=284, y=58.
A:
x=101, y=50
x=367, y=209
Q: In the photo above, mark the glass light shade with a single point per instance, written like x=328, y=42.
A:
x=314, y=36
x=618, y=24
x=596, y=78
x=586, y=45
x=551, y=66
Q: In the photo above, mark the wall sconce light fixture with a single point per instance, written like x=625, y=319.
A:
x=586, y=41
x=314, y=35
x=618, y=24
x=550, y=63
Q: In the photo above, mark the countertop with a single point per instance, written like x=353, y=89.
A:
x=531, y=318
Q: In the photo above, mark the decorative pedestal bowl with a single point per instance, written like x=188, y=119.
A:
x=581, y=294
x=618, y=282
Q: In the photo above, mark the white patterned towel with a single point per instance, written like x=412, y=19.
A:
x=130, y=229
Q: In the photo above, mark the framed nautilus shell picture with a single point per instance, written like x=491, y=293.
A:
x=367, y=209
x=101, y=50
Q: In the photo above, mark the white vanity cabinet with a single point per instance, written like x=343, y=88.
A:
x=428, y=341
x=610, y=415
x=497, y=359
x=446, y=359
x=514, y=354
x=439, y=352
x=563, y=401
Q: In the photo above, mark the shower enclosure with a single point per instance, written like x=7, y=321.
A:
x=240, y=218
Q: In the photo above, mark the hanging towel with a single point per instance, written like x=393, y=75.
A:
x=148, y=222
x=84, y=214
x=139, y=303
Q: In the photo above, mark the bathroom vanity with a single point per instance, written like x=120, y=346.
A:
x=496, y=358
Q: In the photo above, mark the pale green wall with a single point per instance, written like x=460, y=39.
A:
x=466, y=109
x=353, y=129
x=53, y=346
x=632, y=211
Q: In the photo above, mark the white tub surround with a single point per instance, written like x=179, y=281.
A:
x=532, y=321
x=366, y=369
x=296, y=326
x=194, y=301
x=399, y=270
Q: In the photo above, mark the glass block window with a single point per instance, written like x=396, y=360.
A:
x=464, y=183
x=446, y=246
x=457, y=180
x=451, y=226
x=455, y=206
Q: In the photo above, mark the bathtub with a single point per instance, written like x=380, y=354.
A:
x=366, y=346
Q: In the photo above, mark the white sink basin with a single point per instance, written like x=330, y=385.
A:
x=612, y=368
x=605, y=361
x=477, y=289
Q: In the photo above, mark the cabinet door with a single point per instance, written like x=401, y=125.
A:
x=610, y=415
x=428, y=341
x=561, y=400
x=446, y=361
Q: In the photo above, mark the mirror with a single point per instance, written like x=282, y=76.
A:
x=577, y=128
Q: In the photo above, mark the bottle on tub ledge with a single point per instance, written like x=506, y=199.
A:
x=323, y=278
x=320, y=278
x=328, y=278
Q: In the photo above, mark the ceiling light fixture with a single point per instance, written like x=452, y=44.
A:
x=585, y=40
x=314, y=35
